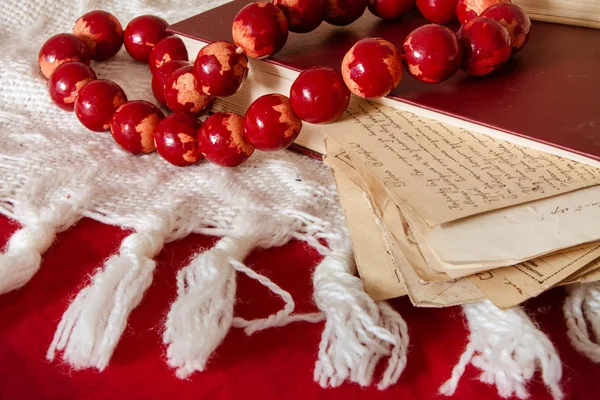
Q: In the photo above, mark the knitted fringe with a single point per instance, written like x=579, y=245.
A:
x=23, y=253
x=507, y=347
x=582, y=308
x=202, y=314
x=358, y=332
x=95, y=320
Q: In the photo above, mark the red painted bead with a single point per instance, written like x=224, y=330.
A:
x=133, y=125
x=60, y=49
x=466, y=10
x=222, y=140
x=160, y=77
x=101, y=32
x=390, y=9
x=438, y=11
x=486, y=46
x=319, y=95
x=170, y=48
x=66, y=81
x=260, y=29
x=432, y=53
x=219, y=70
x=344, y=12
x=97, y=102
x=142, y=34
x=183, y=95
x=176, y=139
x=302, y=15
x=514, y=19
x=372, y=68
x=270, y=123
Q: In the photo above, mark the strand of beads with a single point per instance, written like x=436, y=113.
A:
x=492, y=31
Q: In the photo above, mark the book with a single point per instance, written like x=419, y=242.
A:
x=570, y=12
x=544, y=98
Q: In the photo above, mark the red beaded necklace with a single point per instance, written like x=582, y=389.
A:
x=491, y=31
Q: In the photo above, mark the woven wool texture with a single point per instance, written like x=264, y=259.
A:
x=54, y=172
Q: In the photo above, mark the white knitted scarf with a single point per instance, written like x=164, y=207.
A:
x=55, y=172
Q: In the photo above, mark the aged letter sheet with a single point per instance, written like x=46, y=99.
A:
x=438, y=174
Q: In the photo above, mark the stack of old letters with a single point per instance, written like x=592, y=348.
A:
x=448, y=216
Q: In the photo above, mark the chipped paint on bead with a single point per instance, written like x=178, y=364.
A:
x=260, y=29
x=220, y=70
x=222, y=140
x=182, y=94
x=71, y=97
x=372, y=68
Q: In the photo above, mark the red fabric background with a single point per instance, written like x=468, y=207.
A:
x=274, y=364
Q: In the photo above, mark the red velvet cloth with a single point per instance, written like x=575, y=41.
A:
x=274, y=364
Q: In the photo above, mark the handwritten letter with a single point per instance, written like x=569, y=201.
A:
x=445, y=173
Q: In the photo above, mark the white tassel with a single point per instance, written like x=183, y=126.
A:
x=23, y=254
x=582, y=307
x=202, y=314
x=94, y=322
x=358, y=332
x=507, y=347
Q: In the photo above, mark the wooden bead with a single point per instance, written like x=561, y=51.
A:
x=66, y=81
x=270, y=123
x=303, y=15
x=390, y=9
x=514, y=19
x=142, y=34
x=175, y=138
x=60, y=49
x=222, y=140
x=183, y=95
x=160, y=77
x=486, y=46
x=319, y=95
x=133, y=125
x=220, y=70
x=101, y=32
x=170, y=48
x=466, y=10
x=432, y=53
x=344, y=12
x=96, y=103
x=438, y=11
x=260, y=29
x=372, y=68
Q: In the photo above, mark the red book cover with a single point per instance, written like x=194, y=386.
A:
x=548, y=92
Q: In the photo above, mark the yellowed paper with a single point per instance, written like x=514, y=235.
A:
x=421, y=292
x=444, y=173
x=591, y=267
x=592, y=276
x=590, y=273
x=430, y=269
x=505, y=286
x=399, y=228
x=441, y=290
x=520, y=232
x=509, y=286
x=376, y=267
